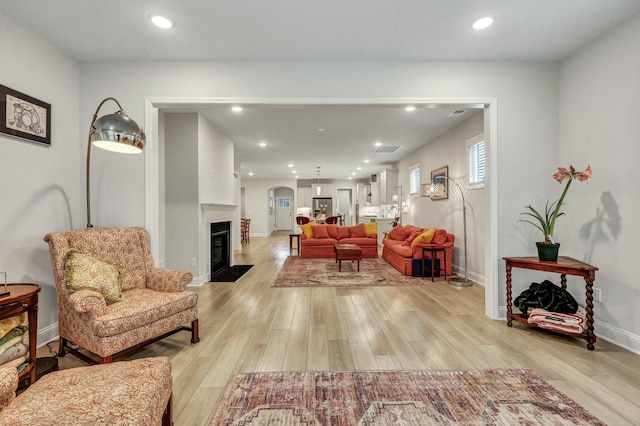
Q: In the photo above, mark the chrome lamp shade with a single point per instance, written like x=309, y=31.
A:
x=112, y=132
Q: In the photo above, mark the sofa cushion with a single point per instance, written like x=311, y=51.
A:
x=409, y=229
x=401, y=248
x=306, y=228
x=320, y=231
x=85, y=272
x=332, y=230
x=371, y=228
x=358, y=231
x=424, y=238
x=320, y=242
x=412, y=236
x=397, y=233
x=440, y=237
x=360, y=241
x=344, y=232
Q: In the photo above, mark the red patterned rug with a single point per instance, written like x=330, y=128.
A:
x=408, y=398
x=299, y=272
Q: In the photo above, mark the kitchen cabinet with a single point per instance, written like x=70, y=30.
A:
x=388, y=181
x=304, y=197
x=362, y=190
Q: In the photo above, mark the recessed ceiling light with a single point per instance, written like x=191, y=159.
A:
x=262, y=144
x=297, y=177
x=359, y=168
x=353, y=173
x=161, y=21
x=378, y=143
x=350, y=178
x=290, y=165
x=366, y=160
x=482, y=23
x=294, y=172
x=410, y=108
x=236, y=108
x=321, y=129
x=250, y=173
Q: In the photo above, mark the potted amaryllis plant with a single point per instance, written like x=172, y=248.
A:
x=546, y=221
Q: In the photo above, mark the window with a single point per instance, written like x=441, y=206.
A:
x=414, y=179
x=476, y=161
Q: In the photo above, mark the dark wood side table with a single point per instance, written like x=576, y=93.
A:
x=564, y=266
x=24, y=298
x=291, y=237
x=433, y=251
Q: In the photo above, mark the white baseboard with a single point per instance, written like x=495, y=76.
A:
x=48, y=334
x=199, y=281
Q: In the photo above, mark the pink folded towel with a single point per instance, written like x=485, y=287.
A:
x=568, y=323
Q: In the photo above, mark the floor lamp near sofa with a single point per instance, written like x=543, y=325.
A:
x=113, y=132
x=433, y=190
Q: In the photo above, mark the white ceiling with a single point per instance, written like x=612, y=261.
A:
x=353, y=30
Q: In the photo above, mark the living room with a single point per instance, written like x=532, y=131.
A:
x=580, y=109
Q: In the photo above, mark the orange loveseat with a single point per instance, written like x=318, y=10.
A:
x=401, y=246
x=318, y=241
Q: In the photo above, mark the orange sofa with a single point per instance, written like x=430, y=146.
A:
x=401, y=246
x=318, y=241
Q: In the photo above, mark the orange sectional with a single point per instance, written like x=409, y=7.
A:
x=404, y=243
x=318, y=241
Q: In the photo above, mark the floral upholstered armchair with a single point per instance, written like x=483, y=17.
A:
x=111, y=297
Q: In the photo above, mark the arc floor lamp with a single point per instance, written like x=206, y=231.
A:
x=113, y=132
x=434, y=189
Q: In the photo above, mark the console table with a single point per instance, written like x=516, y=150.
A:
x=564, y=266
x=24, y=298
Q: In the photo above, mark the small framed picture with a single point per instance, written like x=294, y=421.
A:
x=24, y=117
x=439, y=178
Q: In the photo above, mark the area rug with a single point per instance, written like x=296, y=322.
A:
x=408, y=398
x=230, y=274
x=299, y=272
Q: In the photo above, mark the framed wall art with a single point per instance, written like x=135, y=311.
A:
x=24, y=117
x=439, y=178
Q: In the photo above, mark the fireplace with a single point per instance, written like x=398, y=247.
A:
x=220, y=246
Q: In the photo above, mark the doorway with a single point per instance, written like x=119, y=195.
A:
x=344, y=205
x=154, y=211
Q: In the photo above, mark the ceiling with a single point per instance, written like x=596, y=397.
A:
x=327, y=30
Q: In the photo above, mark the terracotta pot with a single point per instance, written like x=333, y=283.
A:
x=548, y=252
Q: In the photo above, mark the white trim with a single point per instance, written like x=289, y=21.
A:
x=153, y=104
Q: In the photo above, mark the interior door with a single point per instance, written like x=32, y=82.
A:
x=284, y=214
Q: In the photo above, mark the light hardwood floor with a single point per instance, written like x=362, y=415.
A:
x=249, y=326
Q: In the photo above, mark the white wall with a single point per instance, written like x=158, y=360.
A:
x=182, y=207
x=40, y=187
x=450, y=150
x=215, y=164
x=600, y=125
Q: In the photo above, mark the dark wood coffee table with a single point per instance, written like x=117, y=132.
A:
x=347, y=252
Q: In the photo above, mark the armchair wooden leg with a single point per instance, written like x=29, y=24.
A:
x=195, y=335
x=61, y=347
x=167, y=417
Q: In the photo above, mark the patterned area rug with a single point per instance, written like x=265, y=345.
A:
x=299, y=272
x=408, y=398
